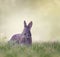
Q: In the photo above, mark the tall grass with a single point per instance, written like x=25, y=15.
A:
x=35, y=50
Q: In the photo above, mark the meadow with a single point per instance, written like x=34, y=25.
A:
x=45, y=49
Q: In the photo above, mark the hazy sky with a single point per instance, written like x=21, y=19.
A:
x=45, y=15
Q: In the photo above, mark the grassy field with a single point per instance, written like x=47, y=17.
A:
x=36, y=50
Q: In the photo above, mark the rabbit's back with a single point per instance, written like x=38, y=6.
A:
x=16, y=38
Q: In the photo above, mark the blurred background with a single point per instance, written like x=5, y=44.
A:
x=45, y=15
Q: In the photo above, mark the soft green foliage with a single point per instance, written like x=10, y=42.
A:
x=35, y=50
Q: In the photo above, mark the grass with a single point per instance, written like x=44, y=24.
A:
x=36, y=50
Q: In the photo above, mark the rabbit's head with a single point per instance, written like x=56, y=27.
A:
x=27, y=31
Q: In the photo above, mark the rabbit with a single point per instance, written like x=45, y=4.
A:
x=25, y=37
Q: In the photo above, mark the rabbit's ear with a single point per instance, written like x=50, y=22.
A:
x=30, y=25
x=25, y=23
